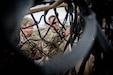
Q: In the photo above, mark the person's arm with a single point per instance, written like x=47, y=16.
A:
x=67, y=32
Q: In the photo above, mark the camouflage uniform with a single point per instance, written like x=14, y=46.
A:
x=56, y=40
x=47, y=46
x=29, y=44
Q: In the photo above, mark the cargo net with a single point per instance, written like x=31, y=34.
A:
x=48, y=42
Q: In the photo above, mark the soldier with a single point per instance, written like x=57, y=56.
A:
x=56, y=32
x=28, y=39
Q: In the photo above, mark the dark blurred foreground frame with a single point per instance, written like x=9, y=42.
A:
x=11, y=60
x=10, y=16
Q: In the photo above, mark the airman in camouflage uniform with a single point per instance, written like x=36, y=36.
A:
x=28, y=37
